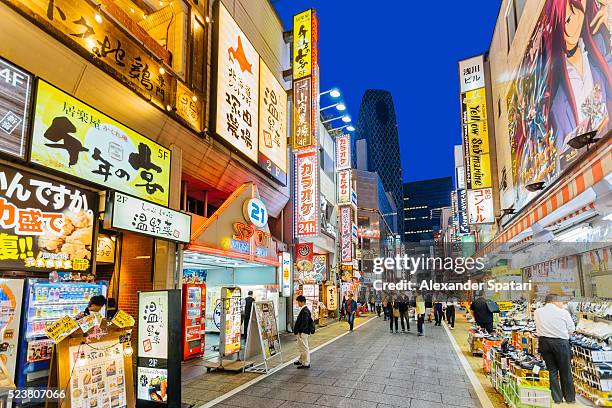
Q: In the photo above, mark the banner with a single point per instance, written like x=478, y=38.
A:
x=73, y=138
x=344, y=186
x=346, y=231
x=480, y=206
x=15, y=108
x=306, y=201
x=343, y=152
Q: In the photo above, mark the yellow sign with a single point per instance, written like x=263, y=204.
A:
x=123, y=320
x=302, y=44
x=480, y=171
x=71, y=137
x=477, y=135
x=505, y=306
x=475, y=106
x=61, y=329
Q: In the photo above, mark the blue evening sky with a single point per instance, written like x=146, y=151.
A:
x=410, y=48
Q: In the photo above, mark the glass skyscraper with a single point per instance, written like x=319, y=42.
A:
x=423, y=201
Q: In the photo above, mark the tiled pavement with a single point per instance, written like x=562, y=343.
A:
x=369, y=368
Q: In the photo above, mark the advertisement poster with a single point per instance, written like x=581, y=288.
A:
x=547, y=105
x=343, y=152
x=44, y=224
x=237, y=87
x=272, y=125
x=346, y=227
x=132, y=214
x=480, y=206
x=319, y=270
x=268, y=330
x=152, y=384
x=15, y=108
x=76, y=139
x=306, y=200
x=232, y=318
x=100, y=381
x=344, y=187
x=304, y=262
x=153, y=325
x=11, y=296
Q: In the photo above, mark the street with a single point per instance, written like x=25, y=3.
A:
x=369, y=368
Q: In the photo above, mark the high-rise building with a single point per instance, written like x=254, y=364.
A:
x=423, y=202
x=377, y=125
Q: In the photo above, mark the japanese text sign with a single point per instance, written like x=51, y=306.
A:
x=123, y=320
x=331, y=298
x=188, y=106
x=132, y=214
x=471, y=73
x=153, y=325
x=74, y=138
x=343, y=152
x=272, y=155
x=305, y=38
x=303, y=124
x=43, y=224
x=346, y=231
x=237, y=87
x=62, y=328
x=108, y=43
x=15, y=108
x=344, y=186
x=463, y=227
x=480, y=206
x=306, y=199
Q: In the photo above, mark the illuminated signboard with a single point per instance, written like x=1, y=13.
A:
x=463, y=227
x=44, y=224
x=306, y=199
x=286, y=274
x=346, y=231
x=344, y=187
x=15, y=108
x=71, y=137
x=343, y=152
x=303, y=43
x=237, y=87
x=272, y=155
x=303, y=126
x=480, y=206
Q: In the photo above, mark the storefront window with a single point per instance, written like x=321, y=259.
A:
x=597, y=272
x=197, y=54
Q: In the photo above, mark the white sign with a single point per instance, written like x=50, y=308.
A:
x=460, y=177
x=237, y=87
x=480, y=206
x=343, y=152
x=286, y=275
x=272, y=124
x=344, y=187
x=256, y=212
x=132, y=214
x=471, y=73
x=153, y=325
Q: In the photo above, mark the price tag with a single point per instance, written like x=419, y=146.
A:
x=536, y=369
x=61, y=329
x=123, y=320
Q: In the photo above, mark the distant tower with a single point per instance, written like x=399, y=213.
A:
x=377, y=124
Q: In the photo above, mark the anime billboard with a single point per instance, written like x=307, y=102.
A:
x=563, y=89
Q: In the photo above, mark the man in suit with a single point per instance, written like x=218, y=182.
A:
x=248, y=306
x=302, y=329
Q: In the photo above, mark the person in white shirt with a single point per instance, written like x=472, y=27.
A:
x=554, y=325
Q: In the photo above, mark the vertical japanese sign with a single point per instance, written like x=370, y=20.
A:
x=188, y=106
x=286, y=274
x=152, y=371
x=237, y=87
x=306, y=200
x=344, y=186
x=15, y=108
x=304, y=262
x=463, y=227
x=343, y=152
x=272, y=155
x=71, y=137
x=346, y=232
x=305, y=79
x=44, y=224
x=230, y=321
x=478, y=176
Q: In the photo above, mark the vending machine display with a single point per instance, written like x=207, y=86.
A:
x=194, y=320
x=46, y=302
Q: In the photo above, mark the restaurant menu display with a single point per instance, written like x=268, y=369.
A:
x=268, y=329
x=99, y=382
x=11, y=296
x=231, y=319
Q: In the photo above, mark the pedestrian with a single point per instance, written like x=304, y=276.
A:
x=482, y=314
x=372, y=303
x=420, y=313
x=438, y=313
x=385, y=305
x=378, y=307
x=303, y=327
x=248, y=306
x=342, y=309
x=403, y=309
x=394, y=314
x=451, y=302
x=554, y=325
x=351, y=309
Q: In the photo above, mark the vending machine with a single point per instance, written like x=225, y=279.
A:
x=44, y=303
x=194, y=320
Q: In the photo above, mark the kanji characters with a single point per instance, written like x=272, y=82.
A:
x=60, y=130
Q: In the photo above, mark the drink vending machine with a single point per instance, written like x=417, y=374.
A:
x=194, y=320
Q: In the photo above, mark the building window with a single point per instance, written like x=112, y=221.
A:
x=513, y=16
x=198, y=46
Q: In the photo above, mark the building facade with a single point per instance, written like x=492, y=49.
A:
x=422, y=202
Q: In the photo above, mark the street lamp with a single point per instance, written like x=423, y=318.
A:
x=347, y=127
x=334, y=93
x=344, y=118
x=339, y=106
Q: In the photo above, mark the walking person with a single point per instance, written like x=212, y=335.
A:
x=450, y=312
x=554, y=325
x=303, y=327
x=403, y=309
x=342, y=309
x=438, y=313
x=394, y=315
x=420, y=313
x=351, y=309
x=372, y=303
x=378, y=307
x=385, y=305
x=248, y=306
x=482, y=314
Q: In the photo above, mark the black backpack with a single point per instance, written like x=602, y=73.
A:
x=311, y=325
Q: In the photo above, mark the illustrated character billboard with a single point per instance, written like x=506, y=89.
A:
x=563, y=89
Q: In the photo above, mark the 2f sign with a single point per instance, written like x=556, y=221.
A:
x=255, y=212
x=11, y=77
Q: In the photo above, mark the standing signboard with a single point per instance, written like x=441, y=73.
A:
x=231, y=321
x=158, y=372
x=15, y=108
x=263, y=330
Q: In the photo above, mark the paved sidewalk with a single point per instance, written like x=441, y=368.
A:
x=369, y=368
x=200, y=387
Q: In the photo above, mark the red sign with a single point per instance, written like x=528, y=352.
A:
x=304, y=258
x=306, y=201
x=343, y=152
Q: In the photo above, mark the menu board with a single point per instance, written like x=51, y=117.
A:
x=268, y=330
x=231, y=321
x=98, y=381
